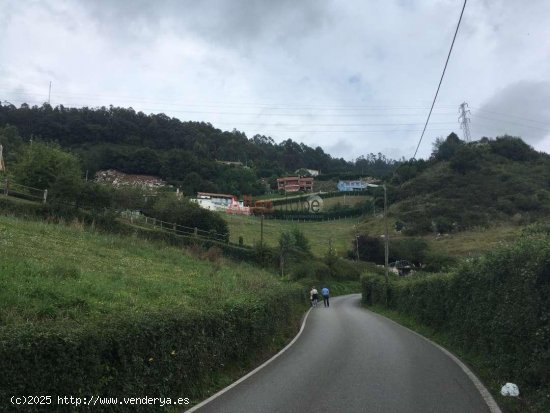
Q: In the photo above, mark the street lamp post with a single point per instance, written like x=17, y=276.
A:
x=386, y=236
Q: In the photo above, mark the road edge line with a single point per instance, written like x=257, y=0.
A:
x=250, y=374
x=487, y=396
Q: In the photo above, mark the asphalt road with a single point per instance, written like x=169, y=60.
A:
x=350, y=360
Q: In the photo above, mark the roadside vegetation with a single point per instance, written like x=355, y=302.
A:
x=318, y=233
x=468, y=185
x=494, y=310
x=129, y=315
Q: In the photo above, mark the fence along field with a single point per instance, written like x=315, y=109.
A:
x=319, y=233
x=10, y=188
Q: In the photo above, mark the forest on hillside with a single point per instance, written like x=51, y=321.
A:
x=186, y=154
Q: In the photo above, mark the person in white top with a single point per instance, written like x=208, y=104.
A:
x=314, y=296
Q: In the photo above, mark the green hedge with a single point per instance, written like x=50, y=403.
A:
x=497, y=306
x=175, y=353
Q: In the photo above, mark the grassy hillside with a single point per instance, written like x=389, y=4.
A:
x=118, y=316
x=57, y=273
x=465, y=243
x=341, y=231
x=465, y=185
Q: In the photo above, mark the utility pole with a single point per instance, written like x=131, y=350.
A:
x=386, y=237
x=2, y=165
x=464, y=121
x=262, y=232
x=386, y=242
x=50, y=92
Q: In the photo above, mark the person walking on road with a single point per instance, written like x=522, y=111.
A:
x=314, y=296
x=325, y=293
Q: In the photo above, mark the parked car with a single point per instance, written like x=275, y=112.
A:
x=401, y=267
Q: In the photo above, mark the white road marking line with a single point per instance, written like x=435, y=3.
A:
x=487, y=397
x=257, y=369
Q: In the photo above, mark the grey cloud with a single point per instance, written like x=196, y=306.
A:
x=342, y=72
x=521, y=109
x=233, y=24
x=340, y=148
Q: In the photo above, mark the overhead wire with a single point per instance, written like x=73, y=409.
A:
x=512, y=122
x=441, y=80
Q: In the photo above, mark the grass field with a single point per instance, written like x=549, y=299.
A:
x=459, y=244
x=61, y=273
x=341, y=232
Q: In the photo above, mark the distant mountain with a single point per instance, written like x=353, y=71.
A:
x=471, y=184
x=186, y=154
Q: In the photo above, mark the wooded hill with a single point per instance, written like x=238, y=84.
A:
x=183, y=153
x=464, y=185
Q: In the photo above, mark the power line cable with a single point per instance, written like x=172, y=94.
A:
x=513, y=116
x=221, y=103
x=512, y=122
x=440, y=80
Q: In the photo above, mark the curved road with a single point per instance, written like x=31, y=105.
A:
x=350, y=360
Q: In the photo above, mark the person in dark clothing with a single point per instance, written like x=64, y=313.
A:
x=325, y=293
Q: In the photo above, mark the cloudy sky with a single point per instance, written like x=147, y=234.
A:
x=352, y=76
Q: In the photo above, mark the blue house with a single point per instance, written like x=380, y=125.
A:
x=350, y=186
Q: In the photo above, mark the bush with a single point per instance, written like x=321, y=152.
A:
x=497, y=307
x=374, y=289
x=170, y=209
x=167, y=354
x=312, y=270
x=410, y=249
x=345, y=270
x=435, y=262
x=418, y=226
x=512, y=148
x=370, y=248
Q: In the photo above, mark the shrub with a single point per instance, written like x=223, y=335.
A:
x=213, y=254
x=345, y=270
x=370, y=248
x=420, y=225
x=169, y=353
x=512, y=148
x=411, y=249
x=496, y=307
x=170, y=209
x=312, y=270
x=374, y=289
x=435, y=262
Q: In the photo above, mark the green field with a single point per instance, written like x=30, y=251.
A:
x=459, y=244
x=61, y=273
x=340, y=231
